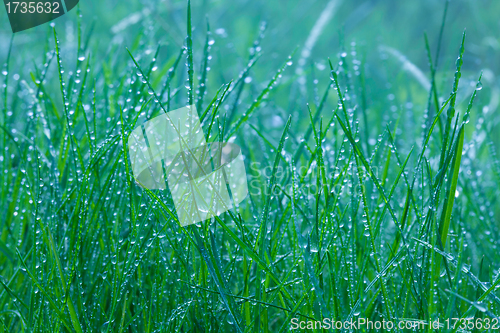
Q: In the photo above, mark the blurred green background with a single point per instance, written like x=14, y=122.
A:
x=372, y=24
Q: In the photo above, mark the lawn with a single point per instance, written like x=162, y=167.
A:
x=369, y=135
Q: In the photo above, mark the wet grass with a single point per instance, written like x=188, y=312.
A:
x=365, y=202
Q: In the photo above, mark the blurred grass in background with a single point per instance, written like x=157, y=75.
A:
x=235, y=25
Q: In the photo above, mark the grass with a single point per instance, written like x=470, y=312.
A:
x=361, y=205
